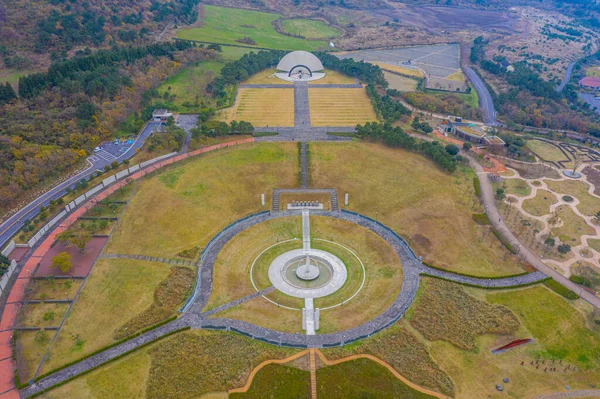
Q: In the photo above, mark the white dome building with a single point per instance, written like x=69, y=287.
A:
x=300, y=66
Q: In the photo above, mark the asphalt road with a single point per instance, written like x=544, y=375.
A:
x=567, y=77
x=97, y=161
x=486, y=103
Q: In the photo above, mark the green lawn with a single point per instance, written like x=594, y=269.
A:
x=277, y=381
x=188, y=86
x=362, y=378
x=409, y=194
x=185, y=205
x=116, y=291
x=227, y=25
x=558, y=327
x=518, y=187
x=540, y=204
x=309, y=28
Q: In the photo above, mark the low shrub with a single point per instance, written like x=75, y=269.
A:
x=477, y=186
x=481, y=218
x=560, y=289
x=577, y=279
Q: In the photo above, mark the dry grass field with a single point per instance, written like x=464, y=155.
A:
x=540, y=204
x=403, y=70
x=340, y=107
x=456, y=76
x=116, y=291
x=267, y=77
x=548, y=151
x=401, y=83
x=408, y=193
x=262, y=107
x=185, y=205
x=444, y=311
x=333, y=78
x=588, y=204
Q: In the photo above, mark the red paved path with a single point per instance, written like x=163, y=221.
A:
x=8, y=389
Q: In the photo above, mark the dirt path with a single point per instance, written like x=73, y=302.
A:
x=327, y=362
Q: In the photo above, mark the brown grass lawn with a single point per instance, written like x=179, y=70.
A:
x=116, y=291
x=340, y=107
x=31, y=346
x=52, y=289
x=401, y=83
x=573, y=226
x=540, y=204
x=262, y=107
x=547, y=151
x=266, y=76
x=395, y=68
x=588, y=204
x=444, y=311
x=187, y=204
x=429, y=208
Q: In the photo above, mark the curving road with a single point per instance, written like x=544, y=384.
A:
x=567, y=77
x=96, y=162
x=486, y=103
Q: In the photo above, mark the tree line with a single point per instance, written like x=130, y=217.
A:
x=96, y=74
x=385, y=106
x=394, y=136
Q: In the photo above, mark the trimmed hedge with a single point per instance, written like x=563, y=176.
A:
x=577, y=279
x=43, y=391
x=560, y=289
x=119, y=342
x=487, y=288
x=482, y=219
x=477, y=186
x=264, y=134
x=473, y=276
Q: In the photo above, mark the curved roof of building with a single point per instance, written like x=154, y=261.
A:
x=296, y=58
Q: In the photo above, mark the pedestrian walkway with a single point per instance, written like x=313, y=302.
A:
x=313, y=373
x=304, y=164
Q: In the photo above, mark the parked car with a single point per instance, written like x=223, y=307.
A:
x=97, y=149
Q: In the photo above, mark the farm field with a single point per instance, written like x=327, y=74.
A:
x=229, y=25
x=340, y=107
x=400, y=82
x=309, y=28
x=418, y=201
x=188, y=86
x=262, y=107
x=205, y=194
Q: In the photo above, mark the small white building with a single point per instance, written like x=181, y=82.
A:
x=161, y=115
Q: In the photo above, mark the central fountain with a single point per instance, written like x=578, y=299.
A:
x=307, y=271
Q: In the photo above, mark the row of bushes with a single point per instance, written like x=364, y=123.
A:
x=486, y=288
x=560, y=289
x=474, y=276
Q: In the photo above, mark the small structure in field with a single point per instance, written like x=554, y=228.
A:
x=161, y=115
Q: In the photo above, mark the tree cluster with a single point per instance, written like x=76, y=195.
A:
x=394, y=136
x=222, y=129
x=363, y=71
x=385, y=106
x=96, y=75
x=7, y=93
x=422, y=126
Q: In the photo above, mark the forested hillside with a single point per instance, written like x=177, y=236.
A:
x=63, y=113
x=31, y=29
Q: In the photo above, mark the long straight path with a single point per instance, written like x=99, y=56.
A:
x=301, y=106
x=305, y=230
x=304, y=164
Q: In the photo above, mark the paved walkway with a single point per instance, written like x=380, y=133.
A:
x=237, y=302
x=304, y=165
